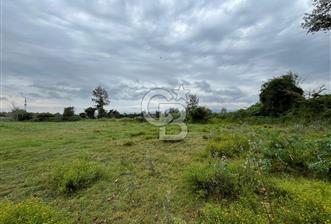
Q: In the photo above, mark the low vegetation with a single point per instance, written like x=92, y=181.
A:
x=259, y=186
x=117, y=171
x=75, y=175
x=29, y=211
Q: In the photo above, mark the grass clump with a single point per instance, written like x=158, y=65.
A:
x=302, y=210
x=137, y=133
x=76, y=175
x=222, y=180
x=284, y=210
x=213, y=181
x=128, y=143
x=232, y=214
x=30, y=211
x=231, y=146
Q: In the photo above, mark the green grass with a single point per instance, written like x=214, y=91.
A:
x=143, y=179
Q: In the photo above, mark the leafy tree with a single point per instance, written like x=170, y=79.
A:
x=101, y=98
x=280, y=94
x=320, y=18
x=90, y=112
x=192, y=103
x=68, y=113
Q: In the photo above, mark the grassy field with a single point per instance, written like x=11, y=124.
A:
x=144, y=180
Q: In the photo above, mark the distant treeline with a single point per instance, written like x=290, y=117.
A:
x=68, y=115
x=281, y=99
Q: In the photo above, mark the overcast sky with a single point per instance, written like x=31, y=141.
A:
x=55, y=52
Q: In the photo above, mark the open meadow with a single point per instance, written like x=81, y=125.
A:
x=118, y=171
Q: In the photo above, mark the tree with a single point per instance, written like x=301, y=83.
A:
x=90, y=112
x=280, y=94
x=200, y=114
x=192, y=103
x=101, y=99
x=68, y=113
x=320, y=18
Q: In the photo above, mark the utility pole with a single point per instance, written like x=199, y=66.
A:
x=25, y=105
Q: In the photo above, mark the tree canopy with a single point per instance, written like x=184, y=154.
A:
x=280, y=94
x=101, y=98
x=320, y=18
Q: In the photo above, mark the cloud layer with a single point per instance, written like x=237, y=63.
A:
x=56, y=52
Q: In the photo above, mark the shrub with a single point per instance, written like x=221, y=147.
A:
x=215, y=181
x=113, y=114
x=78, y=174
x=287, y=153
x=200, y=114
x=29, y=211
x=90, y=112
x=230, y=146
x=68, y=113
x=297, y=154
x=46, y=117
x=21, y=115
x=314, y=108
x=280, y=94
x=82, y=115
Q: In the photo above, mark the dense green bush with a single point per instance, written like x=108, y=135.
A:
x=90, y=112
x=297, y=154
x=316, y=108
x=75, y=175
x=280, y=94
x=200, y=114
x=31, y=211
x=214, y=181
x=48, y=117
x=222, y=180
x=68, y=114
x=21, y=115
x=44, y=116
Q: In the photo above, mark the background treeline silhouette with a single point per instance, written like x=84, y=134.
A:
x=281, y=99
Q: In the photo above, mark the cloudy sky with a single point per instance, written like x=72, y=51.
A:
x=54, y=52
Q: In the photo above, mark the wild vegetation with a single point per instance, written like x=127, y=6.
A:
x=117, y=171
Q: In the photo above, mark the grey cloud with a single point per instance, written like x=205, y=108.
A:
x=222, y=49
